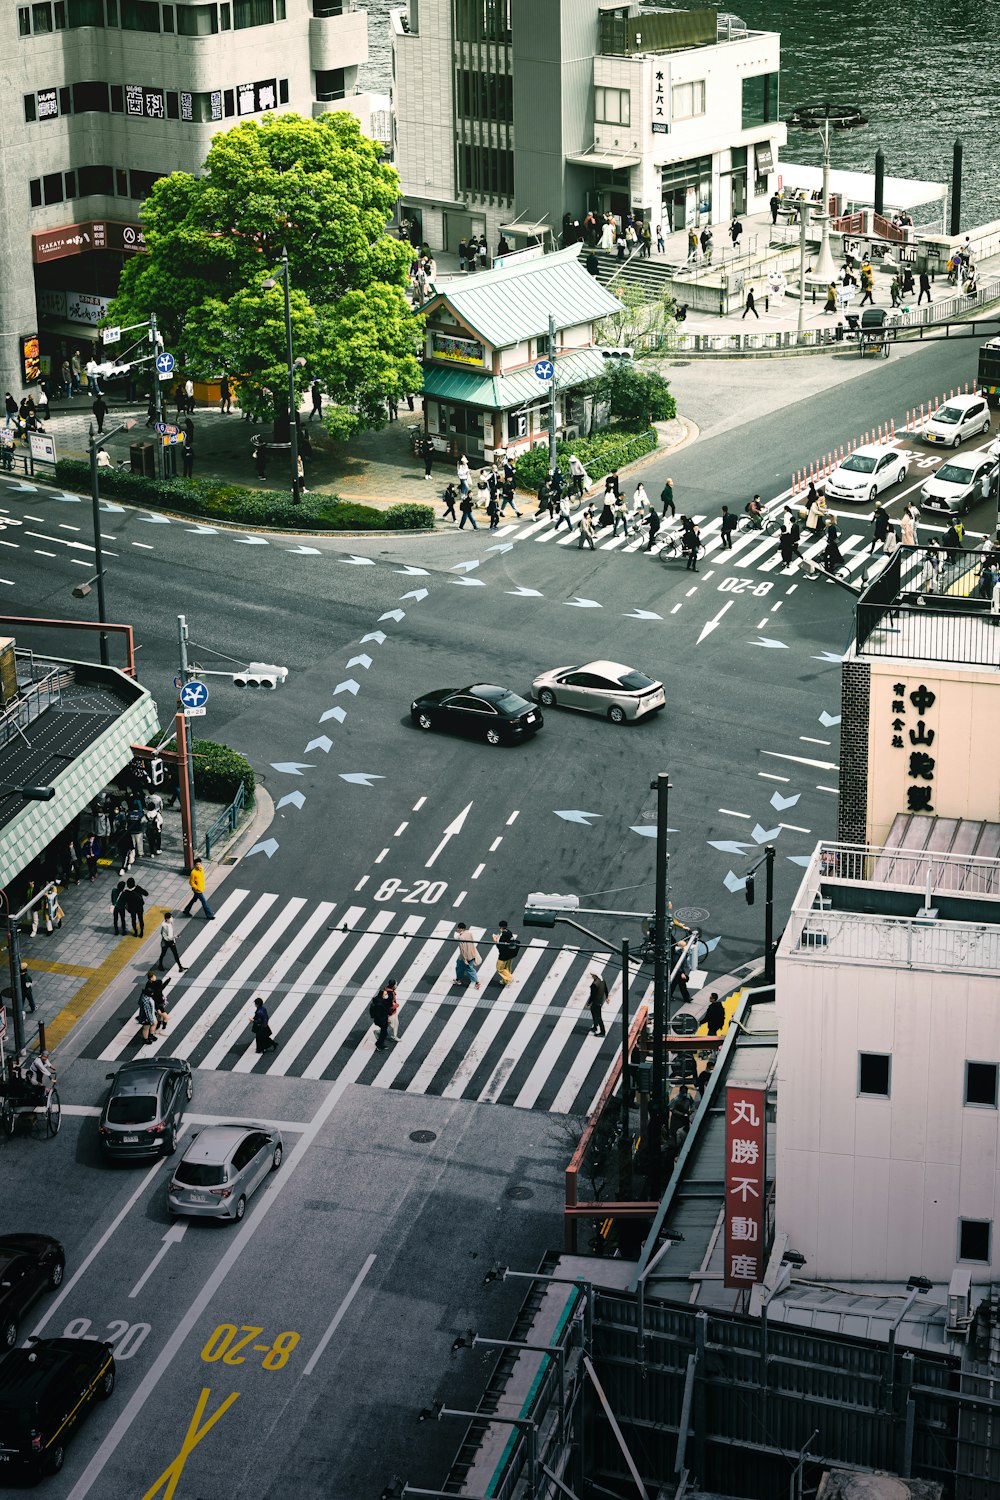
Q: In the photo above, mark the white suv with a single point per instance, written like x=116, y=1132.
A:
x=962, y=417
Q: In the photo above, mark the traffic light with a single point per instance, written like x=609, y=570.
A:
x=541, y=910
x=260, y=675
x=156, y=771
x=748, y=890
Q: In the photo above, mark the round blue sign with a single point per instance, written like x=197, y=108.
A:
x=194, y=695
x=165, y=363
x=544, y=369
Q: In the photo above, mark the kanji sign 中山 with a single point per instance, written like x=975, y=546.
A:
x=745, y=1186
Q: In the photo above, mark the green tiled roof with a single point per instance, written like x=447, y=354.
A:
x=501, y=392
x=514, y=303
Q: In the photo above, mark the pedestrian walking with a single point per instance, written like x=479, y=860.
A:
x=661, y=243
x=196, y=880
x=93, y=372
x=168, y=942
x=774, y=203
x=154, y=988
x=727, y=528
x=931, y=569
x=816, y=515
x=925, y=288
x=596, y=999
x=493, y=511
x=100, y=410
x=225, y=396
x=880, y=526
x=187, y=454
x=53, y=911
x=750, y=306
x=118, y=907
x=735, y=230
x=380, y=1010
x=261, y=1027
x=620, y=510
x=508, y=944
x=75, y=372
x=135, y=905
x=449, y=497
x=564, y=513
x=189, y=394
x=706, y=245
x=316, y=397
x=427, y=454
x=667, y=498
x=692, y=254
x=785, y=546
x=135, y=823
x=653, y=524
x=66, y=376
x=831, y=298
x=832, y=557
x=465, y=506
x=585, y=526
x=467, y=959
x=715, y=1015
x=154, y=830
x=579, y=478
x=908, y=526
x=507, y=496
x=10, y=408
x=91, y=851
x=147, y=1015
x=691, y=543
x=390, y=993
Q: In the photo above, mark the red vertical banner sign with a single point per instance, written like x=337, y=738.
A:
x=746, y=1190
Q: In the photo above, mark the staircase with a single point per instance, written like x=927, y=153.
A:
x=653, y=277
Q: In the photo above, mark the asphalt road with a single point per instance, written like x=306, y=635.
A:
x=392, y=836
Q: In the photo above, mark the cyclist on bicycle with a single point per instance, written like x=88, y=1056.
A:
x=755, y=511
x=41, y=1073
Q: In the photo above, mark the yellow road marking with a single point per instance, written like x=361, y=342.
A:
x=49, y=966
x=192, y=1438
x=97, y=982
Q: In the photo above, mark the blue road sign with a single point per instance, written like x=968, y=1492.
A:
x=545, y=369
x=165, y=429
x=194, y=695
x=165, y=363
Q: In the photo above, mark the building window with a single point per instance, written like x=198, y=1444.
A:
x=29, y=109
x=140, y=15
x=112, y=12
x=486, y=172
x=41, y=19
x=69, y=180
x=35, y=192
x=482, y=20
x=86, y=12
x=197, y=20
x=252, y=13
x=330, y=83
x=282, y=90
x=485, y=96
x=760, y=100
x=226, y=17
x=23, y=20
x=52, y=188
x=59, y=14
x=168, y=18
x=981, y=1084
x=873, y=1074
x=94, y=180
x=613, y=106
x=90, y=98
x=687, y=100
x=974, y=1239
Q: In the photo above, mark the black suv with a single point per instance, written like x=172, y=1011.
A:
x=143, y=1112
x=45, y=1391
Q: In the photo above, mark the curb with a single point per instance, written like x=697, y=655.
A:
x=263, y=817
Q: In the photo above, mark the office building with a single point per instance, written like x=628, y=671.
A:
x=512, y=116
x=105, y=96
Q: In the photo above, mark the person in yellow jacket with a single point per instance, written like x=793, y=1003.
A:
x=196, y=880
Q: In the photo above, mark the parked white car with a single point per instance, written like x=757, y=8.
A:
x=963, y=417
x=866, y=472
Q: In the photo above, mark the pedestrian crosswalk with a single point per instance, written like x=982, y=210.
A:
x=318, y=965
x=750, y=550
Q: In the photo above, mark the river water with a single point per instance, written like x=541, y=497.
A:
x=923, y=73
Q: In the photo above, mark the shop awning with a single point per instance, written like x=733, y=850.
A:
x=503, y=392
x=532, y=230
x=605, y=160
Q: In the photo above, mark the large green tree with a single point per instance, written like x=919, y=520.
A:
x=320, y=189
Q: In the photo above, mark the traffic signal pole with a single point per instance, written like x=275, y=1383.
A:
x=187, y=771
x=660, y=980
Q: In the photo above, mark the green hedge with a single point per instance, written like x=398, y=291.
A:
x=218, y=771
x=236, y=504
x=611, y=448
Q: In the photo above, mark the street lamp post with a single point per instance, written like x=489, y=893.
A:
x=94, y=442
x=293, y=435
x=824, y=117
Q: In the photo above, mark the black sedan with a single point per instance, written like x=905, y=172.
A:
x=484, y=711
x=145, y=1106
x=30, y=1264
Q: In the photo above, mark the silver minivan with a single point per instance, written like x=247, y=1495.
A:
x=962, y=417
x=221, y=1168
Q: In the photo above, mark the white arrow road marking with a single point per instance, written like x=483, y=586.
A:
x=306, y=551
x=292, y=799
x=648, y=830
x=266, y=846
x=575, y=815
x=828, y=720
x=729, y=846
x=419, y=594
x=336, y=712
x=713, y=624
x=115, y=510
x=20, y=484
x=193, y=530
x=829, y=656
x=734, y=883
x=360, y=661
x=799, y=859
x=643, y=614
x=579, y=603
x=252, y=541
x=769, y=643
x=522, y=593
x=465, y=567
x=320, y=743
x=390, y=614
x=501, y=547
x=470, y=583
x=413, y=572
x=378, y=636
x=454, y=827
x=291, y=767
x=800, y=760
x=173, y=1236
x=155, y=520
x=360, y=778
x=782, y=804
x=348, y=686
x=764, y=835
x=359, y=562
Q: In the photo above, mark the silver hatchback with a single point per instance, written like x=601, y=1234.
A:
x=221, y=1168
x=609, y=688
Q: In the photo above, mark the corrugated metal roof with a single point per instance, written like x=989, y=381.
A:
x=502, y=392
x=514, y=303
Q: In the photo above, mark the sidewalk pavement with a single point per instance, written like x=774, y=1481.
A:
x=71, y=968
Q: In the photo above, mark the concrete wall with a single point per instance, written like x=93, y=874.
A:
x=873, y=1189
x=424, y=111
x=552, y=65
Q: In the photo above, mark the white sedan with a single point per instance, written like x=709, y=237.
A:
x=608, y=688
x=866, y=472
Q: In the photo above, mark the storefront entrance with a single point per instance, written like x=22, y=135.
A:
x=686, y=192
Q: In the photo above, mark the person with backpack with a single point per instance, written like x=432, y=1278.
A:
x=508, y=943
x=465, y=506
x=380, y=1011
x=261, y=1027
x=118, y=909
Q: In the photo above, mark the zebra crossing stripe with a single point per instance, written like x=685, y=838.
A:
x=239, y=1027
x=487, y=1031
x=516, y=1044
x=419, y=1015
x=645, y=999
x=585, y=1058
x=561, y=1033
x=281, y=1015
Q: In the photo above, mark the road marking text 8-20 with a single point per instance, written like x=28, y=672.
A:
x=221, y=1345
x=425, y=891
x=742, y=585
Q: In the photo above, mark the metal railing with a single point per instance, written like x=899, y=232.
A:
x=929, y=631
x=30, y=702
x=226, y=821
x=840, y=937
x=925, y=870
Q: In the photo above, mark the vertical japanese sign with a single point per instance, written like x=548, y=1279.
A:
x=745, y=1185
x=660, y=126
x=919, y=761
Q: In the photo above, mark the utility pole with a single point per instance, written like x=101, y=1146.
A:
x=154, y=339
x=182, y=641
x=803, y=230
x=293, y=410
x=625, y=1150
x=769, y=914
x=95, y=502
x=552, y=395
x=661, y=786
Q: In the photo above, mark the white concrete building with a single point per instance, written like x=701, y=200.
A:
x=511, y=116
x=102, y=97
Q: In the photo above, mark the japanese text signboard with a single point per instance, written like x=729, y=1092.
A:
x=912, y=732
x=745, y=1185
